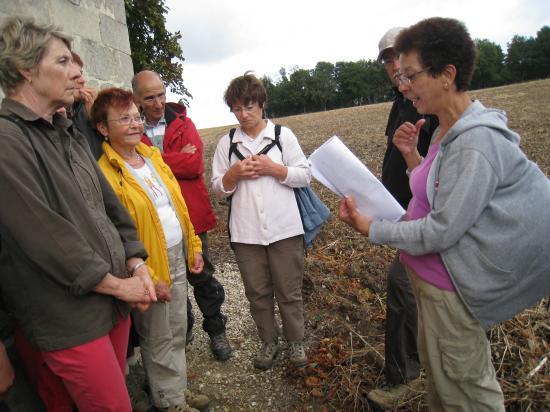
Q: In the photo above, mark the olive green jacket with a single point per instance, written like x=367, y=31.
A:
x=62, y=229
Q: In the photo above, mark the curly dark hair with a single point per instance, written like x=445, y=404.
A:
x=245, y=89
x=441, y=41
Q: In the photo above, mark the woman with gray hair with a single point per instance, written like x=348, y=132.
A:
x=70, y=258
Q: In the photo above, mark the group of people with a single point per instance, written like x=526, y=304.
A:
x=107, y=214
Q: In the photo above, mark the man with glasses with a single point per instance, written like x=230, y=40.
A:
x=168, y=128
x=402, y=367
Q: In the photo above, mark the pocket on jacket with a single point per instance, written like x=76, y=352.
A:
x=465, y=359
x=498, y=279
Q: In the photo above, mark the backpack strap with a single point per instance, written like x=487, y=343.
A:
x=275, y=142
x=232, y=150
x=233, y=146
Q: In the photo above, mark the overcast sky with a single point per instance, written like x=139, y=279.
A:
x=222, y=39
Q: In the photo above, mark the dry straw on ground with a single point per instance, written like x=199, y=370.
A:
x=345, y=276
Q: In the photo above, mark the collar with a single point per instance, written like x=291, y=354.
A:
x=268, y=132
x=162, y=120
x=13, y=106
x=118, y=162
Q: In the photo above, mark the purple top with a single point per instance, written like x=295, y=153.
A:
x=429, y=267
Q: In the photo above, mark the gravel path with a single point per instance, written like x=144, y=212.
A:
x=235, y=385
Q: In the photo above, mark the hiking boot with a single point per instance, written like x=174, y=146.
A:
x=297, y=354
x=138, y=397
x=197, y=400
x=265, y=356
x=182, y=407
x=394, y=395
x=219, y=344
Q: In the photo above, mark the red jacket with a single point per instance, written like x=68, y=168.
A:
x=188, y=168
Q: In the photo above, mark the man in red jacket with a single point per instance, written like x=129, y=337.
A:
x=168, y=128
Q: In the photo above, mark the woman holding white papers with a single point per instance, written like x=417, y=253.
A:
x=474, y=239
x=266, y=231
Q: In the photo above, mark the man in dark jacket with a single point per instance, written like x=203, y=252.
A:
x=402, y=367
x=168, y=128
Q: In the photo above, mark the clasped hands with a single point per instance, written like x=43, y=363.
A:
x=255, y=166
x=139, y=290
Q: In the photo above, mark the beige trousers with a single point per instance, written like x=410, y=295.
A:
x=161, y=331
x=454, y=350
x=274, y=272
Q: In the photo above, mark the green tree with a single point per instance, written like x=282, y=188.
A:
x=542, y=52
x=299, y=89
x=489, y=65
x=361, y=82
x=272, y=105
x=521, y=59
x=323, y=85
x=153, y=47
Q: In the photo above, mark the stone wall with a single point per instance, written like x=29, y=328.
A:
x=99, y=31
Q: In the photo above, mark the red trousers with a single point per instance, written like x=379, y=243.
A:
x=91, y=375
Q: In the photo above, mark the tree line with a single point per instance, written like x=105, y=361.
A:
x=346, y=84
x=328, y=85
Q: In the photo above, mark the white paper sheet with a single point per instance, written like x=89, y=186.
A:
x=336, y=167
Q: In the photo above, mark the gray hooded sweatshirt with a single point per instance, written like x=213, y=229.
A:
x=489, y=219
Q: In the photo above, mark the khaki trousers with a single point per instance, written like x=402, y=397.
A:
x=161, y=331
x=274, y=271
x=454, y=350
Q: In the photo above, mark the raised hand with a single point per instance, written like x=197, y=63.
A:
x=405, y=137
x=88, y=95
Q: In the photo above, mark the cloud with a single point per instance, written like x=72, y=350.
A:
x=222, y=40
x=211, y=30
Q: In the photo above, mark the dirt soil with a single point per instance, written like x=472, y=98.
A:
x=344, y=288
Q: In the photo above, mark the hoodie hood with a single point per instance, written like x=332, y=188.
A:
x=477, y=115
x=174, y=110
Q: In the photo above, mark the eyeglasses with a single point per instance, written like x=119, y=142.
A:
x=407, y=80
x=151, y=99
x=127, y=120
x=239, y=110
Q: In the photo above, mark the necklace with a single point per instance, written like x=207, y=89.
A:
x=136, y=162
